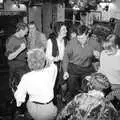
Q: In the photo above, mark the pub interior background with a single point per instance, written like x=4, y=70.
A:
x=44, y=13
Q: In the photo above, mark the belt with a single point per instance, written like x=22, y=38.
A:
x=42, y=103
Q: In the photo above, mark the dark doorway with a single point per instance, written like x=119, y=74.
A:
x=7, y=28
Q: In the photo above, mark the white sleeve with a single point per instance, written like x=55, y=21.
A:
x=101, y=62
x=21, y=92
x=53, y=71
x=49, y=50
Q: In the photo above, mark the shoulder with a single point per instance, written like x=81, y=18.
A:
x=71, y=42
x=12, y=41
x=11, y=38
x=103, y=53
x=53, y=66
x=42, y=34
x=27, y=75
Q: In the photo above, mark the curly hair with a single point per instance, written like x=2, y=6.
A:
x=82, y=29
x=36, y=59
x=99, y=81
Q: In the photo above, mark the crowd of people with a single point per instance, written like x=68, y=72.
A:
x=52, y=71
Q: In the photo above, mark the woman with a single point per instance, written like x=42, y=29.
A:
x=38, y=84
x=56, y=42
x=77, y=61
x=91, y=105
x=55, y=49
x=110, y=60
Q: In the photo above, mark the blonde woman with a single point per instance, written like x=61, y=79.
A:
x=38, y=84
x=110, y=60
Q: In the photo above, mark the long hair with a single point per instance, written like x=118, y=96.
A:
x=56, y=29
x=110, y=42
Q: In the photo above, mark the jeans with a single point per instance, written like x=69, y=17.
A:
x=76, y=75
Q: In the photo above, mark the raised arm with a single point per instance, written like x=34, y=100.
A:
x=13, y=55
x=14, y=48
x=21, y=92
x=66, y=58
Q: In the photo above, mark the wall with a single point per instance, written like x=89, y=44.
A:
x=47, y=17
x=35, y=15
x=51, y=14
x=10, y=6
x=43, y=15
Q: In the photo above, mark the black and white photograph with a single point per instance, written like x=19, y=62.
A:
x=60, y=59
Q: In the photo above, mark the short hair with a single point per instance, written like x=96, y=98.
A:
x=21, y=26
x=110, y=42
x=82, y=29
x=36, y=59
x=33, y=23
x=73, y=28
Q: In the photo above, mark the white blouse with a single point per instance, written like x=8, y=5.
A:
x=61, y=47
x=38, y=85
x=110, y=66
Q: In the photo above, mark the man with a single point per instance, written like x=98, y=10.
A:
x=77, y=60
x=36, y=39
x=16, y=52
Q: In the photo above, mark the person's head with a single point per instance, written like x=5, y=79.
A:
x=110, y=43
x=21, y=29
x=73, y=31
x=32, y=27
x=100, y=82
x=82, y=34
x=60, y=29
x=36, y=59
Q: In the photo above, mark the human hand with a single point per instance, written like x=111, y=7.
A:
x=96, y=54
x=56, y=58
x=22, y=46
x=88, y=78
x=48, y=62
x=66, y=76
x=19, y=103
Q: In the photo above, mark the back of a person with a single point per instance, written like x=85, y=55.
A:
x=91, y=105
x=87, y=106
x=110, y=66
x=36, y=85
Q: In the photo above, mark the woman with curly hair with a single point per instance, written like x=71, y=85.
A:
x=91, y=105
x=38, y=84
